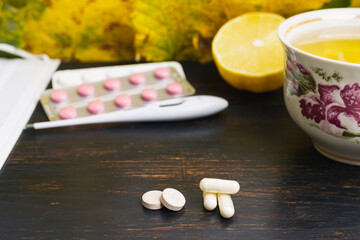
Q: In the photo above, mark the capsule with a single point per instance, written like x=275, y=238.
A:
x=215, y=185
x=210, y=201
x=226, y=205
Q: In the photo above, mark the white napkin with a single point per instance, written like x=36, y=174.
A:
x=21, y=83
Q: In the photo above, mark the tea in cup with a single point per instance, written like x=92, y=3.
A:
x=322, y=79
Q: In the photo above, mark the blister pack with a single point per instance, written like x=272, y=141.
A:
x=108, y=89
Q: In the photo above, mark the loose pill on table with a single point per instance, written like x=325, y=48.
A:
x=112, y=84
x=162, y=73
x=226, y=205
x=151, y=200
x=174, y=88
x=67, y=113
x=210, y=200
x=172, y=199
x=215, y=185
x=58, y=96
x=137, y=78
x=149, y=94
x=123, y=101
x=96, y=107
x=86, y=89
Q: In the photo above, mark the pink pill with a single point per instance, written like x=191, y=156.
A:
x=137, y=78
x=68, y=112
x=58, y=96
x=174, y=88
x=149, y=94
x=96, y=107
x=112, y=84
x=162, y=73
x=86, y=89
x=123, y=101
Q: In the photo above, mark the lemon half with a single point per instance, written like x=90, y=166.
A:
x=248, y=52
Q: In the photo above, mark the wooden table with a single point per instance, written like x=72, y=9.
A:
x=86, y=182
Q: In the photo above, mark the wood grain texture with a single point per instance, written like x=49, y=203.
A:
x=86, y=182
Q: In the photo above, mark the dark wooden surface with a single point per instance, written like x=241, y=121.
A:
x=86, y=182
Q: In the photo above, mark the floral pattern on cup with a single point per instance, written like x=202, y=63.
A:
x=336, y=110
x=301, y=79
x=332, y=108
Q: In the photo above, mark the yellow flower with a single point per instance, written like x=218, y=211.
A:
x=83, y=30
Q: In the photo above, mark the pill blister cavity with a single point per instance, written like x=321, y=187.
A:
x=96, y=107
x=174, y=88
x=115, y=73
x=69, y=79
x=112, y=84
x=123, y=101
x=58, y=96
x=68, y=112
x=93, y=76
x=86, y=90
x=137, y=78
x=162, y=73
x=149, y=94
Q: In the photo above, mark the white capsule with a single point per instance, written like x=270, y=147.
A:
x=226, y=205
x=210, y=201
x=215, y=185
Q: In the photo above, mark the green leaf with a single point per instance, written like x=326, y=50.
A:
x=11, y=31
x=174, y=30
x=306, y=83
x=17, y=3
x=337, y=4
x=14, y=15
x=350, y=134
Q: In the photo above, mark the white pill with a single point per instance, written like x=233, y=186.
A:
x=215, y=185
x=172, y=199
x=151, y=200
x=226, y=205
x=210, y=201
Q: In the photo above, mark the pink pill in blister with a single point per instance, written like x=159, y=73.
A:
x=123, y=101
x=58, y=96
x=96, y=107
x=174, y=88
x=86, y=89
x=162, y=73
x=112, y=84
x=137, y=78
x=149, y=94
x=68, y=112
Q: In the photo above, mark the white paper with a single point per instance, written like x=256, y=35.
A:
x=21, y=84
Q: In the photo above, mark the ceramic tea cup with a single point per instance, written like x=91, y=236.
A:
x=323, y=95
